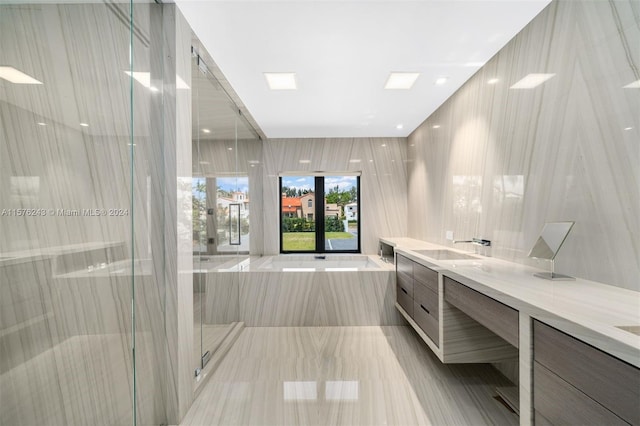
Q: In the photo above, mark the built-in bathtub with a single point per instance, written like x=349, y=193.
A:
x=303, y=290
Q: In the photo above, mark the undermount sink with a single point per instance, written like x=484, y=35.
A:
x=635, y=329
x=444, y=254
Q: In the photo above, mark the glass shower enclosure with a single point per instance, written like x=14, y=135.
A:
x=225, y=149
x=82, y=295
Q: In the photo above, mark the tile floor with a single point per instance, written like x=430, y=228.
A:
x=345, y=376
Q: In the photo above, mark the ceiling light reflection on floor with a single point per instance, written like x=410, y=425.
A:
x=341, y=390
x=300, y=391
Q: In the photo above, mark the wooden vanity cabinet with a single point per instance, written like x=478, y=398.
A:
x=417, y=295
x=577, y=384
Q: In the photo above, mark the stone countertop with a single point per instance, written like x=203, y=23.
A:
x=588, y=310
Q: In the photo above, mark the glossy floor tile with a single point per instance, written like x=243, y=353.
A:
x=345, y=376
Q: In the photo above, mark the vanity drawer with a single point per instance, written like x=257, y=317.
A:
x=557, y=402
x=609, y=381
x=423, y=295
x=427, y=322
x=406, y=283
x=404, y=300
x=497, y=317
x=425, y=276
x=404, y=266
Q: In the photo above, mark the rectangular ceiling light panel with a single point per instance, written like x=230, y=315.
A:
x=281, y=80
x=532, y=80
x=401, y=80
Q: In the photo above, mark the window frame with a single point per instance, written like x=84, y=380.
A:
x=319, y=211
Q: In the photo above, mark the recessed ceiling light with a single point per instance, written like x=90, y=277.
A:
x=399, y=126
x=383, y=145
x=634, y=85
x=493, y=81
x=305, y=161
x=355, y=160
x=229, y=149
x=371, y=161
x=40, y=123
x=532, y=80
x=16, y=76
x=281, y=80
x=84, y=124
x=435, y=126
x=206, y=131
x=628, y=128
x=401, y=80
x=441, y=80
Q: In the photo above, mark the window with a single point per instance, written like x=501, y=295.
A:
x=336, y=201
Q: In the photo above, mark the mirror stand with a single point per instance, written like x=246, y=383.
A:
x=552, y=275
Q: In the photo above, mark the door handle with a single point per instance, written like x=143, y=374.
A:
x=231, y=208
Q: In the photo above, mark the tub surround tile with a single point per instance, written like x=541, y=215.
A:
x=277, y=298
x=504, y=161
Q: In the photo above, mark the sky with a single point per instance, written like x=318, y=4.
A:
x=227, y=183
x=307, y=182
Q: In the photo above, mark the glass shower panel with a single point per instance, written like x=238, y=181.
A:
x=212, y=120
x=221, y=212
x=75, y=127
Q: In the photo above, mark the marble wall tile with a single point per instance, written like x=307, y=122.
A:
x=174, y=165
x=383, y=186
x=505, y=161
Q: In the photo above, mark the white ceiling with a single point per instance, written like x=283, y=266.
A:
x=343, y=52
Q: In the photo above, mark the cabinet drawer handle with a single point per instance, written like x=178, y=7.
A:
x=405, y=291
x=425, y=309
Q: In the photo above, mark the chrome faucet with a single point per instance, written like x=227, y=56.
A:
x=477, y=241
